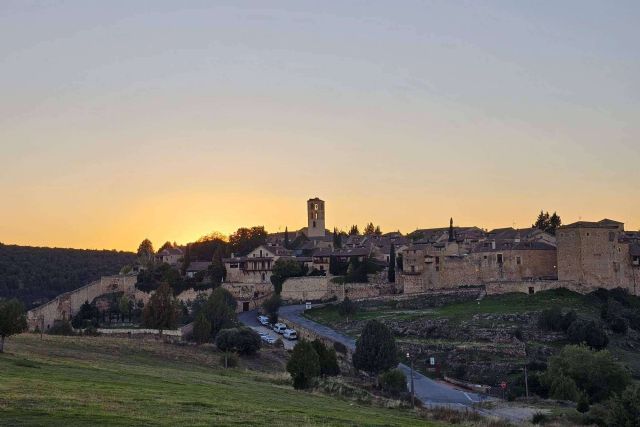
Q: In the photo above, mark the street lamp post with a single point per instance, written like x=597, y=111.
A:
x=413, y=395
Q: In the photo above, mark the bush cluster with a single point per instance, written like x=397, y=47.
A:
x=244, y=341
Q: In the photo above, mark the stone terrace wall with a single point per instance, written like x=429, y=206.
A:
x=503, y=287
x=320, y=288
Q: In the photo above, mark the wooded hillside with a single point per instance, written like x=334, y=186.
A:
x=35, y=275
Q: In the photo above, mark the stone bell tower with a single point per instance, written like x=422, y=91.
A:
x=315, y=217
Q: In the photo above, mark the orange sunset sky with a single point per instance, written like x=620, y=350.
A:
x=121, y=121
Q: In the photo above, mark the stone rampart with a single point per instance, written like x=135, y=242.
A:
x=532, y=286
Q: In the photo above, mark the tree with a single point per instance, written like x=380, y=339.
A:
x=304, y=365
x=393, y=382
x=391, y=275
x=376, y=349
x=217, y=271
x=186, y=260
x=125, y=305
x=286, y=238
x=165, y=245
x=563, y=388
x=548, y=223
x=624, y=408
x=353, y=231
x=594, y=372
x=337, y=239
x=12, y=319
x=369, y=229
x=201, y=329
x=283, y=269
x=145, y=252
x=357, y=271
x=347, y=308
x=377, y=231
x=588, y=332
x=271, y=306
x=242, y=340
x=162, y=310
x=87, y=314
x=220, y=310
x=328, y=359
x=244, y=240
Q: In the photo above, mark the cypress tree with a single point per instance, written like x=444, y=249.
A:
x=286, y=238
x=392, y=264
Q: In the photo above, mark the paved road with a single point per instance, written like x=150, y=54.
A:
x=431, y=392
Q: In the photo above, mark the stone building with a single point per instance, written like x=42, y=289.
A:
x=599, y=255
x=171, y=256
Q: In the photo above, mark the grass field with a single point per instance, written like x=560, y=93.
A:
x=494, y=304
x=80, y=381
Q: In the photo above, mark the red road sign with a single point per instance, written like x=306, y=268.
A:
x=503, y=385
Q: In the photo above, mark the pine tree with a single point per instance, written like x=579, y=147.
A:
x=377, y=231
x=376, y=349
x=392, y=264
x=337, y=239
x=354, y=230
x=369, y=229
x=304, y=365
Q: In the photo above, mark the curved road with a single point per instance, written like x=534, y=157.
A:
x=430, y=392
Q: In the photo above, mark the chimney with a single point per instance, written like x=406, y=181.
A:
x=493, y=244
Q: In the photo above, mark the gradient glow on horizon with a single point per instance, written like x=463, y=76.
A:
x=167, y=120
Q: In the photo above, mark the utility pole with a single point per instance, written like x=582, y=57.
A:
x=413, y=394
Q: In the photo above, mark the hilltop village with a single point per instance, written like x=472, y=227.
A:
x=582, y=257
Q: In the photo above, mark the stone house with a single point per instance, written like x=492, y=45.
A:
x=171, y=256
x=256, y=266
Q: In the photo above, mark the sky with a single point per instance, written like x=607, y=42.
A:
x=167, y=120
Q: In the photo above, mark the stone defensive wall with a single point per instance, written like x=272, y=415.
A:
x=321, y=288
x=66, y=305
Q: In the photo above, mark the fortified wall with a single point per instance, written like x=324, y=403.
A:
x=66, y=305
x=321, y=288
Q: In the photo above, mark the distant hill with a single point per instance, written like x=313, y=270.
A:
x=36, y=275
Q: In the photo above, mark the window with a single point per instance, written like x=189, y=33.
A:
x=315, y=206
x=531, y=290
x=499, y=258
x=314, y=224
x=519, y=260
x=413, y=268
x=315, y=215
x=588, y=234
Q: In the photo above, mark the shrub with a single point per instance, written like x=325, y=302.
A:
x=583, y=403
x=61, y=327
x=376, y=349
x=393, y=382
x=588, y=332
x=552, y=319
x=619, y=325
x=201, y=329
x=304, y=365
x=539, y=418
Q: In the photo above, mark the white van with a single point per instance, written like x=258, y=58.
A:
x=290, y=334
x=264, y=320
x=280, y=328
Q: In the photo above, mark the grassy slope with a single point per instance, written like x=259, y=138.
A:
x=495, y=304
x=111, y=381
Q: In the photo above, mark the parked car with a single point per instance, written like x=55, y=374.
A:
x=290, y=334
x=264, y=320
x=280, y=328
x=268, y=339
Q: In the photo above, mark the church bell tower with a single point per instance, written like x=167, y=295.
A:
x=315, y=217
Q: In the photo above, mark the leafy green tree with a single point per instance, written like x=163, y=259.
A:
x=271, y=306
x=376, y=349
x=328, y=359
x=391, y=275
x=12, y=319
x=244, y=240
x=588, y=332
x=165, y=245
x=594, y=372
x=88, y=314
x=624, y=408
x=145, y=252
x=201, y=329
x=283, y=269
x=125, y=305
x=564, y=388
x=357, y=271
x=393, y=382
x=162, y=310
x=304, y=365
